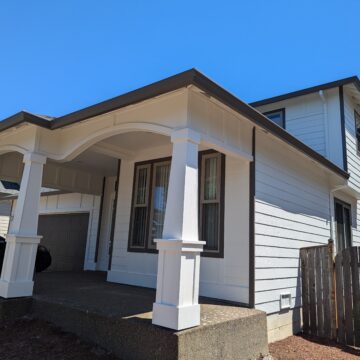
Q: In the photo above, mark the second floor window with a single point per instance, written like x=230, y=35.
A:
x=277, y=116
x=357, y=129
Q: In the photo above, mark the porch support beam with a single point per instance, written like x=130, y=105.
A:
x=177, y=289
x=22, y=241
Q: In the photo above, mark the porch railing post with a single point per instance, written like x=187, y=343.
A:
x=177, y=290
x=22, y=240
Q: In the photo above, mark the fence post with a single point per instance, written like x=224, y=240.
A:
x=331, y=269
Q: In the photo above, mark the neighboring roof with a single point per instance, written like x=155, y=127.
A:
x=184, y=79
x=350, y=80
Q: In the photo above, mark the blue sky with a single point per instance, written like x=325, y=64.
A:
x=60, y=56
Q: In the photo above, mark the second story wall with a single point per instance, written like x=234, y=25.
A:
x=353, y=155
x=315, y=120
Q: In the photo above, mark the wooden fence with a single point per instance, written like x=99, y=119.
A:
x=331, y=293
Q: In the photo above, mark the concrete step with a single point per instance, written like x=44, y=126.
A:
x=227, y=332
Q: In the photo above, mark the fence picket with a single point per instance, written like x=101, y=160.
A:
x=312, y=292
x=355, y=266
x=305, y=287
x=349, y=327
x=340, y=298
x=331, y=293
x=319, y=254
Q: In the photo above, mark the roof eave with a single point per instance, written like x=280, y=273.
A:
x=333, y=84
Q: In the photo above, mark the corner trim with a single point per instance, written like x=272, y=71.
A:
x=342, y=120
x=252, y=189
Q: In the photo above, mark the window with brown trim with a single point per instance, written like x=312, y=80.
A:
x=357, y=130
x=277, y=116
x=343, y=225
x=150, y=188
x=211, y=202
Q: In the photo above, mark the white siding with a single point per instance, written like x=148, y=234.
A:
x=315, y=120
x=75, y=202
x=353, y=159
x=291, y=211
x=304, y=119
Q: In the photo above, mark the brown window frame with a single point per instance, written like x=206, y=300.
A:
x=219, y=253
x=282, y=112
x=357, y=137
x=347, y=206
x=148, y=248
x=150, y=164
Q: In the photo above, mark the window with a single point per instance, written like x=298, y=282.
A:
x=151, y=182
x=357, y=129
x=211, y=204
x=277, y=116
x=343, y=225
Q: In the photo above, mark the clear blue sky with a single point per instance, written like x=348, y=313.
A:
x=60, y=56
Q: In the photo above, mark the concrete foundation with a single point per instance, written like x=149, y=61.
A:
x=118, y=318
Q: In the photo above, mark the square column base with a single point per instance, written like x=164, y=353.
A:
x=177, y=318
x=14, y=289
x=18, y=267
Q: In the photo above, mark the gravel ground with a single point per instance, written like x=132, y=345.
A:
x=307, y=348
x=28, y=339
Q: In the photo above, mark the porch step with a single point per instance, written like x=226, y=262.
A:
x=227, y=332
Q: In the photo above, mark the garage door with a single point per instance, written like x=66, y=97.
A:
x=65, y=236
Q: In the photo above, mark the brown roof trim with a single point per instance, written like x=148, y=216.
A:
x=23, y=117
x=350, y=80
x=186, y=78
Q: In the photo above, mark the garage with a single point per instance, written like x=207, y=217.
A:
x=65, y=235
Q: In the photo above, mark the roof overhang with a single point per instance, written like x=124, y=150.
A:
x=184, y=79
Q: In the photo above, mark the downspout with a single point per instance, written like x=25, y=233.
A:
x=326, y=125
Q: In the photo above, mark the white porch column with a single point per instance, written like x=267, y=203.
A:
x=177, y=289
x=22, y=240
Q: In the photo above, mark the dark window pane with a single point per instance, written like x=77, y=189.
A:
x=210, y=226
x=339, y=227
x=277, y=117
x=210, y=180
x=357, y=129
x=160, y=190
x=139, y=226
x=141, y=186
x=347, y=227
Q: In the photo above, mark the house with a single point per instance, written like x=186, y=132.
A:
x=182, y=187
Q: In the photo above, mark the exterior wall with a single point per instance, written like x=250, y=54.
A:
x=5, y=209
x=70, y=203
x=291, y=211
x=353, y=159
x=315, y=120
x=226, y=278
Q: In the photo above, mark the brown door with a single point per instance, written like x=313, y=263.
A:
x=65, y=236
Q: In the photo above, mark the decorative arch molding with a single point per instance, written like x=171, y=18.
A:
x=90, y=139
x=8, y=148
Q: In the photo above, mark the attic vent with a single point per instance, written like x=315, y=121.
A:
x=285, y=301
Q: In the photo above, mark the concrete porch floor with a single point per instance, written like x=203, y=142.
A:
x=118, y=317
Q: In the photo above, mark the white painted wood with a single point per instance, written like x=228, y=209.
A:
x=22, y=239
x=292, y=210
x=177, y=289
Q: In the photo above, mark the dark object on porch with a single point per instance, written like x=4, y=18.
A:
x=43, y=257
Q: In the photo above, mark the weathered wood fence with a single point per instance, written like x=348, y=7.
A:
x=331, y=293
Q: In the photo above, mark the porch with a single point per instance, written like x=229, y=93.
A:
x=119, y=318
